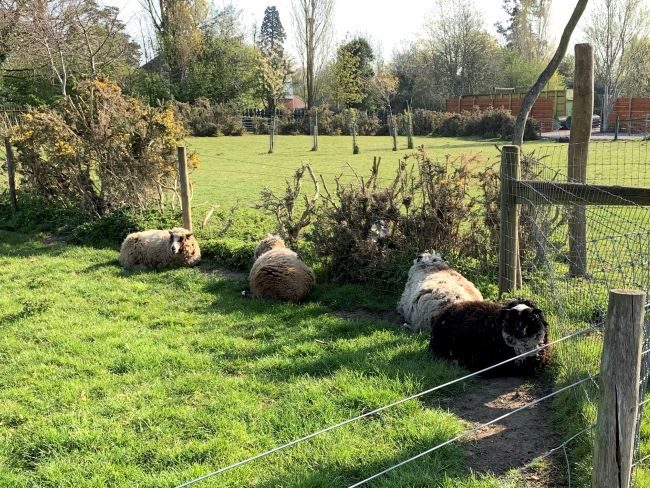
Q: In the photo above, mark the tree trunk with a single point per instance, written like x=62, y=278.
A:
x=533, y=93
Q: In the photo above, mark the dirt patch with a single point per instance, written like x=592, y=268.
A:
x=388, y=316
x=514, y=441
x=52, y=240
x=225, y=273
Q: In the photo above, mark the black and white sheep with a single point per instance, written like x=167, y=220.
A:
x=279, y=273
x=431, y=286
x=481, y=334
x=160, y=249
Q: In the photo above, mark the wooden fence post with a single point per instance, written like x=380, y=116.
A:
x=581, y=121
x=620, y=371
x=185, y=188
x=11, y=176
x=315, y=132
x=509, y=226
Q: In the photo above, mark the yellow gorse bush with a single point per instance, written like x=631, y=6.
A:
x=100, y=150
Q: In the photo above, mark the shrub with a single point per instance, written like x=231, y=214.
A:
x=99, y=151
x=291, y=220
x=207, y=120
x=110, y=230
x=366, y=230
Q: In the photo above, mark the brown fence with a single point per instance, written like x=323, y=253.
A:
x=634, y=114
x=544, y=109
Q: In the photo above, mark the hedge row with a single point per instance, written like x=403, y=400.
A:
x=203, y=119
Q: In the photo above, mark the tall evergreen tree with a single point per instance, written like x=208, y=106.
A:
x=272, y=35
x=271, y=45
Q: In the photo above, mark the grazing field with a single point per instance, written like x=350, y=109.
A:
x=148, y=379
x=236, y=168
x=113, y=378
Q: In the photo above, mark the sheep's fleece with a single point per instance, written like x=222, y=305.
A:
x=160, y=249
x=279, y=273
x=431, y=286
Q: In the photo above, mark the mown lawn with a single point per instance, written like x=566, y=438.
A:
x=111, y=378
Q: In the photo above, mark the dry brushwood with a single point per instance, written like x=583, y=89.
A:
x=290, y=221
x=226, y=222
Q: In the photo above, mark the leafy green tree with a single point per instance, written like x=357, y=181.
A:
x=353, y=73
x=526, y=30
x=178, y=28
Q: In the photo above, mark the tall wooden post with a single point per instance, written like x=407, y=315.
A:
x=509, y=226
x=620, y=371
x=11, y=176
x=583, y=108
x=185, y=188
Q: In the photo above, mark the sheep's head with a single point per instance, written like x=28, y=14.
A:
x=429, y=262
x=268, y=243
x=178, y=237
x=523, y=326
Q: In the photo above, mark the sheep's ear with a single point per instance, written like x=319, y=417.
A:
x=171, y=234
x=189, y=234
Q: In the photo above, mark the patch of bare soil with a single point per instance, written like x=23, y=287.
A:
x=52, y=240
x=388, y=316
x=515, y=441
x=226, y=273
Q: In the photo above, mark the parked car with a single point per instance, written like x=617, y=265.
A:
x=565, y=122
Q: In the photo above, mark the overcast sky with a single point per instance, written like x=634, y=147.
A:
x=387, y=24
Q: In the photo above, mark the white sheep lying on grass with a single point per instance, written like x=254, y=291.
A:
x=431, y=286
x=160, y=249
x=279, y=273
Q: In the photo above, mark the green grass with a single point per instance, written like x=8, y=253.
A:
x=236, y=168
x=110, y=378
x=149, y=379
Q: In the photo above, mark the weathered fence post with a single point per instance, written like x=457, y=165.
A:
x=272, y=134
x=509, y=226
x=620, y=370
x=315, y=132
x=185, y=188
x=11, y=176
x=583, y=108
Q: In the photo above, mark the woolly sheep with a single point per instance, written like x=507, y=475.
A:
x=431, y=286
x=279, y=273
x=160, y=249
x=482, y=334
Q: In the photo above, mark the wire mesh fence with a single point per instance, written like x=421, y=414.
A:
x=615, y=253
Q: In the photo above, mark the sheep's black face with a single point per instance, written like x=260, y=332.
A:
x=523, y=327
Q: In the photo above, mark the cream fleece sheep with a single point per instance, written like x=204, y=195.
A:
x=279, y=273
x=431, y=286
x=160, y=249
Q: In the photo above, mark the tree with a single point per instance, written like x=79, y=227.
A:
x=463, y=52
x=530, y=98
x=612, y=28
x=313, y=27
x=272, y=37
x=178, y=28
x=63, y=40
x=526, y=28
x=637, y=66
x=354, y=71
